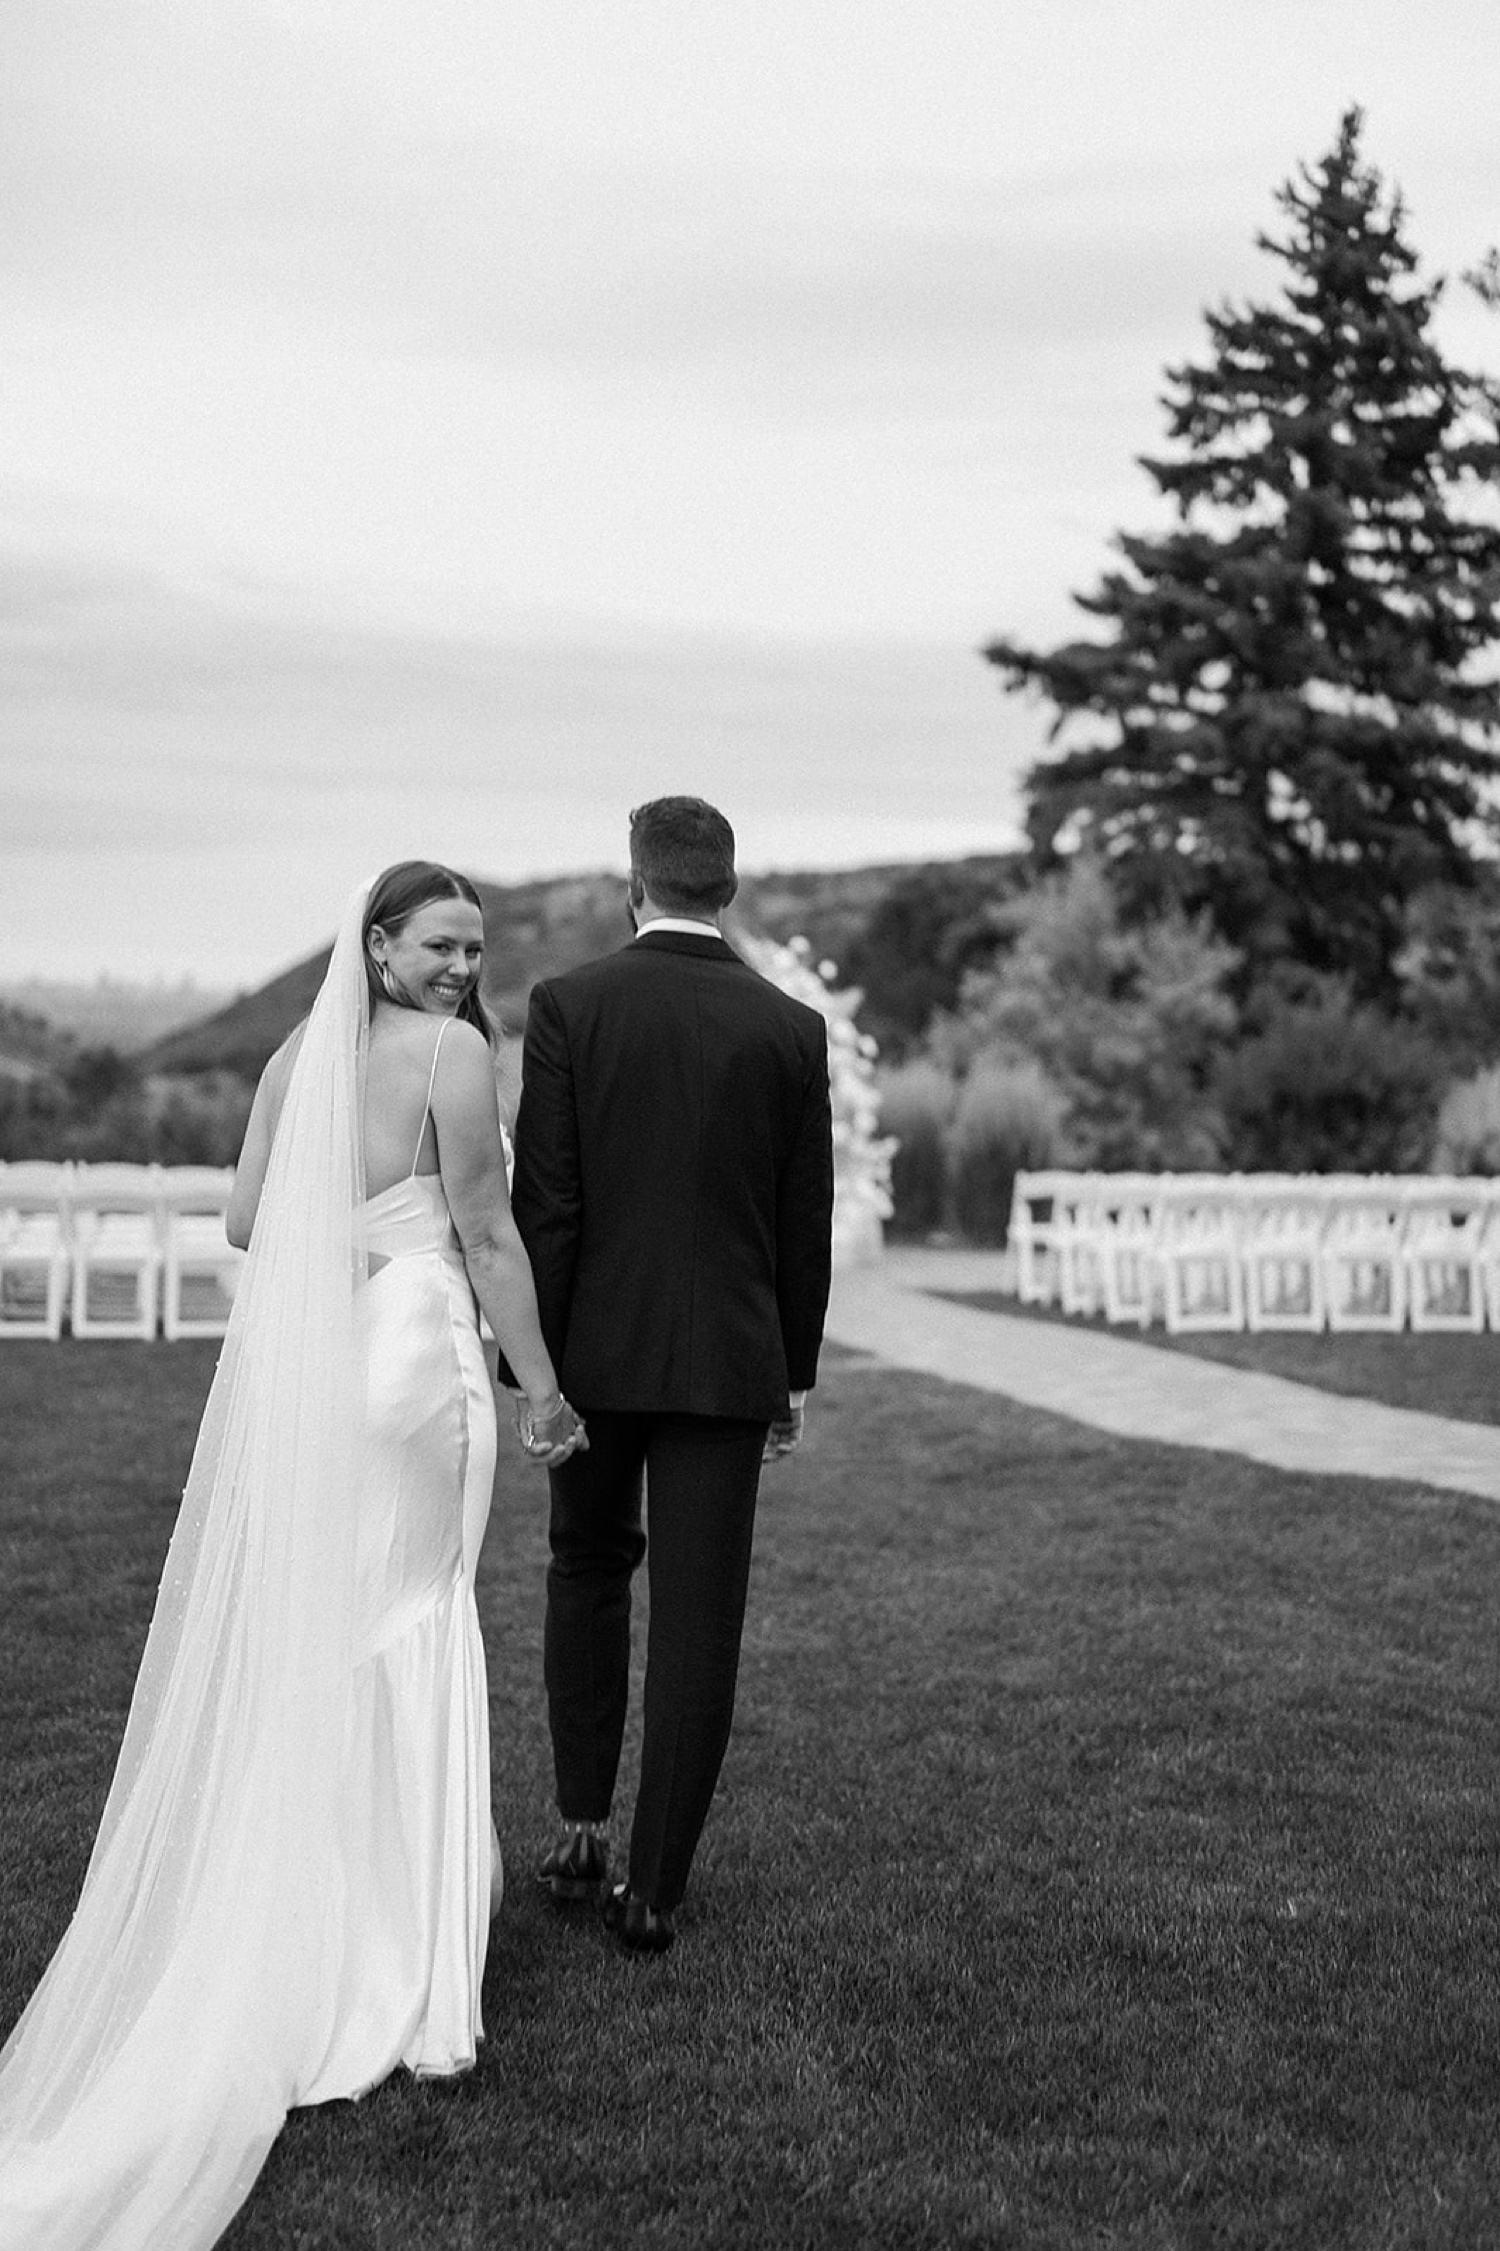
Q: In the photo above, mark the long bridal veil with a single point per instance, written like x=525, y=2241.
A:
x=191, y=1996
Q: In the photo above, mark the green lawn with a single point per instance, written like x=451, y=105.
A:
x=1455, y=1375
x=1108, y=1854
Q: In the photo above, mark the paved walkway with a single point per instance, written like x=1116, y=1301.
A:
x=1140, y=1391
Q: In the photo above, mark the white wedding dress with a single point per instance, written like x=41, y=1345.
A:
x=290, y=1891
x=419, y=1846
x=420, y=1840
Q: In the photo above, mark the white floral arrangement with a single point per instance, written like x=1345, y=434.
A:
x=861, y=1154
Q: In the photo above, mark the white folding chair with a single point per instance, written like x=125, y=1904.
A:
x=1364, y=1276
x=1489, y=1255
x=1128, y=1252
x=1080, y=1233
x=1198, y=1255
x=1442, y=1255
x=1283, y=1260
x=117, y=1255
x=34, y=1248
x=200, y=1266
x=1034, y=1222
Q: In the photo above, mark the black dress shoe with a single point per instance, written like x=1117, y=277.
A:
x=577, y=1868
x=639, y=1929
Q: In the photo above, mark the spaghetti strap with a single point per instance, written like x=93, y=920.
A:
x=437, y=1049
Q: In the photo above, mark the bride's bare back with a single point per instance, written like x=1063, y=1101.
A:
x=399, y=1134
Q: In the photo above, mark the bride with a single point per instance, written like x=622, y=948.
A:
x=292, y=1882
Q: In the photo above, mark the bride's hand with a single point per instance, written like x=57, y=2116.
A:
x=549, y=1437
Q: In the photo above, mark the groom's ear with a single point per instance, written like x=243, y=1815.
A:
x=635, y=890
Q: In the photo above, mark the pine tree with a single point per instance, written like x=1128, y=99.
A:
x=1292, y=721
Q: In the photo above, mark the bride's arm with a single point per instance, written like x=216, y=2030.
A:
x=471, y=1159
x=260, y=1132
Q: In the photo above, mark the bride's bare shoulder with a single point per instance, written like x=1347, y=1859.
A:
x=465, y=1052
x=464, y=1067
x=402, y=1041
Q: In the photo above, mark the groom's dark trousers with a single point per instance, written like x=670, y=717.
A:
x=674, y=1190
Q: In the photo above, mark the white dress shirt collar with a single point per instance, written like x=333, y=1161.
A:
x=685, y=923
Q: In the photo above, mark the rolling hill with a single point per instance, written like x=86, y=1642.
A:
x=535, y=929
x=126, y=1014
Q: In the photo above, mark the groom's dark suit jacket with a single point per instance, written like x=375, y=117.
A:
x=674, y=1181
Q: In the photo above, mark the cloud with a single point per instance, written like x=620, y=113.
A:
x=783, y=288
x=195, y=774
x=739, y=289
x=705, y=314
x=375, y=178
x=135, y=709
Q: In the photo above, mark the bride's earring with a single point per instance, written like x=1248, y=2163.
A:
x=383, y=972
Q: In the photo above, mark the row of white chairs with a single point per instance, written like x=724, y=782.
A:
x=1227, y=1251
x=115, y=1250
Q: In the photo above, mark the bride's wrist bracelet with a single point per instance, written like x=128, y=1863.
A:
x=535, y=1431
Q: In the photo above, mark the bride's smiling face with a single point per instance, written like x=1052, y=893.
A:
x=434, y=959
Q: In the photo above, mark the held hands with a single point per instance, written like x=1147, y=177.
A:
x=785, y=1437
x=550, y=1438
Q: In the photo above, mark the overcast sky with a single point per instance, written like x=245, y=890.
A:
x=430, y=426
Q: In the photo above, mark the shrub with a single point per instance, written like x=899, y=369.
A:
x=1468, y=1126
x=198, y=1121
x=34, y=1114
x=916, y=1106
x=1124, y=1018
x=928, y=928
x=1328, y=1086
x=120, y=1118
x=1449, y=967
x=1009, y=1119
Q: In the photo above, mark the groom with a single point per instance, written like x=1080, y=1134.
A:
x=674, y=1188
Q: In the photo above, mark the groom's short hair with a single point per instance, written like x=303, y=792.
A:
x=682, y=850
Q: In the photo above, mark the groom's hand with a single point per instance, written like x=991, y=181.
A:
x=550, y=1438
x=785, y=1436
